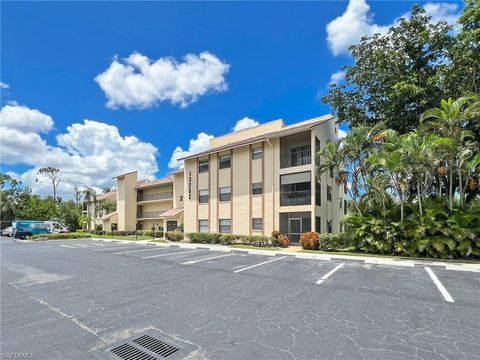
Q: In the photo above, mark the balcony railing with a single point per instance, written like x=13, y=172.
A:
x=299, y=158
x=157, y=196
x=293, y=198
x=149, y=214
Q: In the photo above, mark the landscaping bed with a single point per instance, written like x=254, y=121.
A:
x=62, y=236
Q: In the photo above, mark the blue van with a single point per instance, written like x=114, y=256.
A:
x=25, y=228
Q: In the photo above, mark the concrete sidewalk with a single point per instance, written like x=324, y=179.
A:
x=456, y=265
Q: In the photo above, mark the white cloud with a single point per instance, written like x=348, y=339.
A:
x=88, y=153
x=349, y=28
x=341, y=133
x=197, y=145
x=4, y=85
x=442, y=12
x=139, y=82
x=24, y=119
x=357, y=21
x=337, y=77
x=245, y=123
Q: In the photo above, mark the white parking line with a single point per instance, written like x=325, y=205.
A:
x=170, y=254
x=117, y=248
x=209, y=258
x=141, y=250
x=439, y=285
x=327, y=275
x=260, y=264
x=69, y=246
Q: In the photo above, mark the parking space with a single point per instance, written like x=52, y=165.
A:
x=233, y=304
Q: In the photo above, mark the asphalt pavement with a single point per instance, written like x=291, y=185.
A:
x=79, y=299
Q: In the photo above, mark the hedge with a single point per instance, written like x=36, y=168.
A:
x=174, y=235
x=231, y=239
x=60, y=236
x=331, y=242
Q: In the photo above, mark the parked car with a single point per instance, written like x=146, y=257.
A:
x=7, y=231
x=25, y=228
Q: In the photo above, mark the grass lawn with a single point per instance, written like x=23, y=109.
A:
x=254, y=247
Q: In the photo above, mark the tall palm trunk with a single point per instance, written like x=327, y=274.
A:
x=450, y=186
x=419, y=196
x=460, y=186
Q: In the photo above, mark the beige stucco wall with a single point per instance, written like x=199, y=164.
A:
x=127, y=201
x=178, y=190
x=243, y=172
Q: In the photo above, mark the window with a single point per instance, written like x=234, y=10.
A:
x=329, y=193
x=257, y=153
x=257, y=189
x=203, y=196
x=345, y=189
x=331, y=173
x=345, y=206
x=225, y=193
x=318, y=193
x=318, y=226
x=203, y=226
x=317, y=150
x=329, y=226
x=224, y=226
x=225, y=161
x=257, y=224
x=203, y=166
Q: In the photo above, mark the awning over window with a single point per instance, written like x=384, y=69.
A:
x=295, y=178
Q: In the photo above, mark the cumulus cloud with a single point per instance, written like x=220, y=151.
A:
x=139, y=82
x=337, y=77
x=349, y=28
x=245, y=123
x=197, y=145
x=4, y=85
x=88, y=153
x=341, y=133
x=357, y=21
x=447, y=12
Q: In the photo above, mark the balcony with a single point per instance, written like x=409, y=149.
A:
x=149, y=214
x=166, y=195
x=296, y=150
x=294, y=198
x=303, y=156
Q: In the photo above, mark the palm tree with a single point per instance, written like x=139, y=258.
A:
x=331, y=159
x=90, y=195
x=451, y=121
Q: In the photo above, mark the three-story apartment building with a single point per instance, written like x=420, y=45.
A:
x=262, y=179
x=248, y=182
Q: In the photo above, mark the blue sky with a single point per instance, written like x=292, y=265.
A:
x=270, y=60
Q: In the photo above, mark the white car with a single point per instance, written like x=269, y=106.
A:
x=7, y=231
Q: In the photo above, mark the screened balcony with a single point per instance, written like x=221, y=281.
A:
x=149, y=214
x=165, y=195
x=295, y=189
x=295, y=150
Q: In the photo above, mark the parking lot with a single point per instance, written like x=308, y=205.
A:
x=80, y=298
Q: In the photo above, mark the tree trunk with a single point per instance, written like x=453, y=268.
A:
x=419, y=196
x=460, y=187
x=450, y=186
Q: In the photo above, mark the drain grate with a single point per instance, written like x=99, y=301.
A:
x=129, y=352
x=150, y=344
x=156, y=346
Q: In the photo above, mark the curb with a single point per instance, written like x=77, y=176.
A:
x=370, y=260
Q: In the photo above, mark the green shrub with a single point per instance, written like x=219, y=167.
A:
x=174, y=235
x=145, y=232
x=231, y=239
x=98, y=228
x=75, y=235
x=204, y=238
x=331, y=242
x=310, y=240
